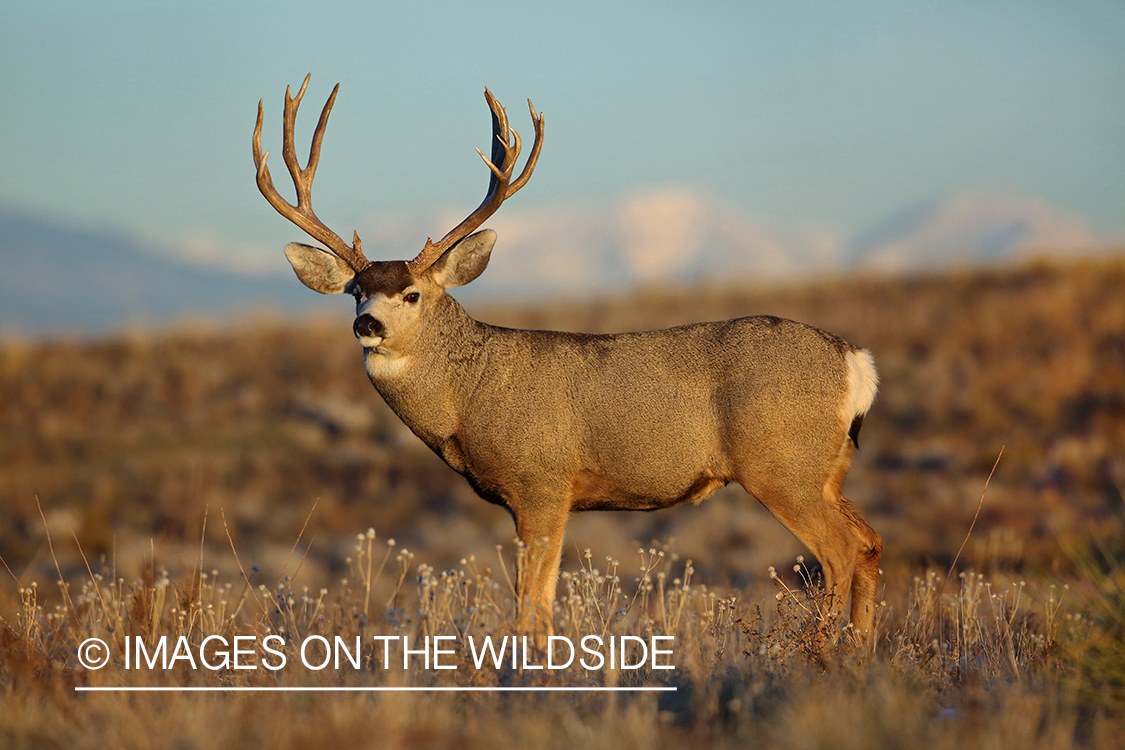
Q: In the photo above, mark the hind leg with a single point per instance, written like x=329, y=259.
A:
x=821, y=527
x=830, y=526
x=865, y=579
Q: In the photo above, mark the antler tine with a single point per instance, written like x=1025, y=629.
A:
x=533, y=157
x=302, y=214
x=506, y=146
x=288, y=145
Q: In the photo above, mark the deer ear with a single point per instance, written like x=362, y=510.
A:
x=318, y=270
x=464, y=261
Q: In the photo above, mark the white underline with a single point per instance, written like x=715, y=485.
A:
x=235, y=689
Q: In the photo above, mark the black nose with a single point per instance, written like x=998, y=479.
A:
x=367, y=326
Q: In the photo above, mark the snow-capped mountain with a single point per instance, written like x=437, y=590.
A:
x=969, y=228
x=60, y=278
x=670, y=235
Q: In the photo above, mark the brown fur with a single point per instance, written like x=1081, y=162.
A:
x=548, y=423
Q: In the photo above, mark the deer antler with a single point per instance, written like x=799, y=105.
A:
x=505, y=150
x=302, y=214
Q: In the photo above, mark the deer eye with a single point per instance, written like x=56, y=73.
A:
x=411, y=298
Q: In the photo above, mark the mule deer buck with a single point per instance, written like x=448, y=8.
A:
x=545, y=423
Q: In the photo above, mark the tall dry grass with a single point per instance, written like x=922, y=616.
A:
x=974, y=659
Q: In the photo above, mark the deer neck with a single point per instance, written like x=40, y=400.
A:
x=428, y=383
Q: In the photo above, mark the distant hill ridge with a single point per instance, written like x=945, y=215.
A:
x=62, y=279
x=59, y=278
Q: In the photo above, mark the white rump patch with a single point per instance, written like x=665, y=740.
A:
x=863, y=382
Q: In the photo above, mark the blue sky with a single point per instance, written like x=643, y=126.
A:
x=137, y=115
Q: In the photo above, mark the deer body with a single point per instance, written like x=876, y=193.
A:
x=606, y=418
x=546, y=423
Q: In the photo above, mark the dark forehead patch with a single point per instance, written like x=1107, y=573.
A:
x=387, y=277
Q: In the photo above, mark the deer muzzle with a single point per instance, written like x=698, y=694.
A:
x=366, y=326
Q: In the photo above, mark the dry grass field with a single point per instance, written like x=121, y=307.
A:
x=203, y=482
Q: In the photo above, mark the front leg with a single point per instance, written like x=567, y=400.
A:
x=538, y=572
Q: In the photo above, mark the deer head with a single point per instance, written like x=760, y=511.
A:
x=392, y=297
